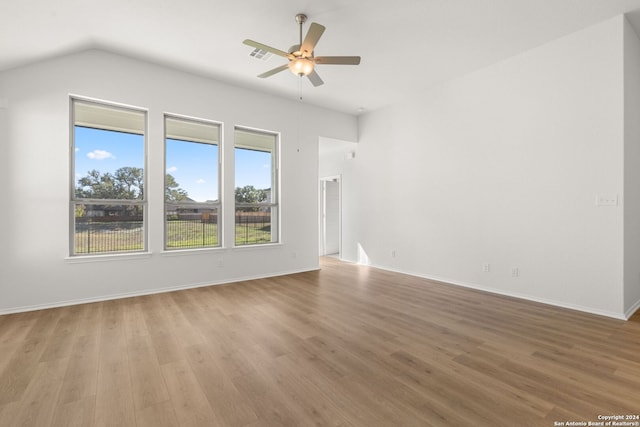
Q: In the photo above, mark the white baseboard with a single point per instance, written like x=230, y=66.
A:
x=620, y=316
x=632, y=310
x=66, y=303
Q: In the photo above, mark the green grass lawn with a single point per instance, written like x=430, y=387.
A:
x=109, y=241
x=179, y=234
x=191, y=234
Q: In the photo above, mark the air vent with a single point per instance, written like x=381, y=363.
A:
x=261, y=54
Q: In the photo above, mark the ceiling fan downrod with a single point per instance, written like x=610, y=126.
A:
x=301, y=18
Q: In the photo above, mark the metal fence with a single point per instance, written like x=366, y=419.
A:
x=126, y=234
x=100, y=235
x=191, y=232
x=253, y=227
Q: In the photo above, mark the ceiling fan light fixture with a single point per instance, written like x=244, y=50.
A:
x=301, y=66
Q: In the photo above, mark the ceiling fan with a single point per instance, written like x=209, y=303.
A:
x=302, y=61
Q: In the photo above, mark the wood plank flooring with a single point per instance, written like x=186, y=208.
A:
x=345, y=346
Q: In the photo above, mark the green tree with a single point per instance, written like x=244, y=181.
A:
x=129, y=183
x=250, y=194
x=98, y=186
x=172, y=190
x=126, y=183
x=79, y=211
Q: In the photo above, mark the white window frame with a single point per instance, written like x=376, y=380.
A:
x=213, y=205
x=74, y=201
x=274, y=204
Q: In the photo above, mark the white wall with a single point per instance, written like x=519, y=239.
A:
x=4, y=178
x=34, y=165
x=631, y=170
x=502, y=167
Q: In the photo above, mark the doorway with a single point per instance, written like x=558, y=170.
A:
x=330, y=223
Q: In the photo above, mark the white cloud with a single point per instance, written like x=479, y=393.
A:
x=100, y=155
x=200, y=181
x=172, y=169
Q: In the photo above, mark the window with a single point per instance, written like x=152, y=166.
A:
x=108, y=201
x=192, y=183
x=256, y=181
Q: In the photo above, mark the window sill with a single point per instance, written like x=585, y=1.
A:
x=191, y=251
x=79, y=259
x=257, y=246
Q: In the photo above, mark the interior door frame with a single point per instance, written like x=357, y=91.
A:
x=323, y=213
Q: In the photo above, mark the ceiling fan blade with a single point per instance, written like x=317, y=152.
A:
x=267, y=48
x=311, y=39
x=314, y=78
x=338, y=60
x=274, y=71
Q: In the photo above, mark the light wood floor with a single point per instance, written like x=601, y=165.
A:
x=345, y=346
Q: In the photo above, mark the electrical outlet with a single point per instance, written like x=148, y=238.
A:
x=486, y=267
x=393, y=253
x=221, y=262
x=607, y=200
x=515, y=272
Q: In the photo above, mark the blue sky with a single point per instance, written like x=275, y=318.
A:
x=106, y=151
x=193, y=165
x=195, y=168
x=253, y=168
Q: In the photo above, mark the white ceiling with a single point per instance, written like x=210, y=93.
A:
x=406, y=45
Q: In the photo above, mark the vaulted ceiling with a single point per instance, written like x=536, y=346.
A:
x=405, y=45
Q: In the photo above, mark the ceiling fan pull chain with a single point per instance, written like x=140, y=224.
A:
x=300, y=88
